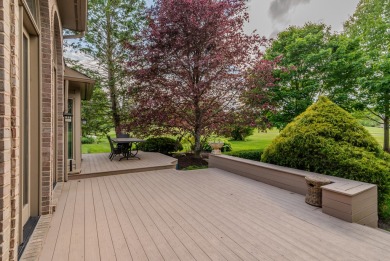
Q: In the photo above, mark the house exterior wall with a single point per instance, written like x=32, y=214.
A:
x=9, y=128
x=50, y=28
x=50, y=124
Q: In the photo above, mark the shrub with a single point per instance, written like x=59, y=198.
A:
x=247, y=154
x=239, y=133
x=163, y=145
x=225, y=148
x=87, y=140
x=328, y=140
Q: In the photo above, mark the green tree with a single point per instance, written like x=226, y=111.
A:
x=370, y=24
x=344, y=67
x=97, y=110
x=112, y=24
x=304, y=53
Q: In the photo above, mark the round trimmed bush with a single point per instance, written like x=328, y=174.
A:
x=163, y=145
x=328, y=140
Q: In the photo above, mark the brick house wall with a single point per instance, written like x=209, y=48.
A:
x=9, y=129
x=51, y=108
x=15, y=130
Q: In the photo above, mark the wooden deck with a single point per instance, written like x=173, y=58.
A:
x=94, y=165
x=199, y=215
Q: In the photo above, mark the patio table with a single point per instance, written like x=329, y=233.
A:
x=127, y=144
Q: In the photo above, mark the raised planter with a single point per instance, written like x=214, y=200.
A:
x=349, y=200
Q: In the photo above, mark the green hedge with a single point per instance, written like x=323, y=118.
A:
x=328, y=140
x=87, y=140
x=247, y=154
x=163, y=145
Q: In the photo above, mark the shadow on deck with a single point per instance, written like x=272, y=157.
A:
x=96, y=165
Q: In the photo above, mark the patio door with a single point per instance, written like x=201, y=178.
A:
x=29, y=126
x=29, y=120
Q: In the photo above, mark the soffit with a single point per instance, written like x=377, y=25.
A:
x=73, y=14
x=80, y=81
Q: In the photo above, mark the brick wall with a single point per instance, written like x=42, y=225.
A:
x=10, y=173
x=9, y=129
x=57, y=37
x=15, y=130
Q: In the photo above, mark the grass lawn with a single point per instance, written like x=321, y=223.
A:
x=101, y=146
x=259, y=140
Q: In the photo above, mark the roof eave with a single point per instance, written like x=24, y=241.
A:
x=73, y=18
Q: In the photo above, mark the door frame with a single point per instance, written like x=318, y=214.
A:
x=28, y=26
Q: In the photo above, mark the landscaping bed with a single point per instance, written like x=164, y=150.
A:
x=187, y=161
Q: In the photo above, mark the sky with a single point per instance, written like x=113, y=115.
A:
x=268, y=17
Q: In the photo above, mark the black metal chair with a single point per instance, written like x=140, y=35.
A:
x=123, y=135
x=114, y=150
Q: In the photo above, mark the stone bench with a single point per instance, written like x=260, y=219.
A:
x=349, y=200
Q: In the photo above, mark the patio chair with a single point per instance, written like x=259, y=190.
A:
x=114, y=150
x=123, y=135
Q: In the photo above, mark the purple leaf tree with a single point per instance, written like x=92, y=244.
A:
x=190, y=67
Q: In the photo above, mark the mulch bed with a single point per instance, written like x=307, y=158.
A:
x=186, y=160
x=384, y=224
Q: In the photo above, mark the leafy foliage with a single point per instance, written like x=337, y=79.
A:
x=95, y=111
x=247, y=154
x=88, y=140
x=303, y=54
x=190, y=73
x=239, y=133
x=225, y=148
x=310, y=61
x=163, y=145
x=195, y=167
x=370, y=24
x=111, y=24
x=328, y=140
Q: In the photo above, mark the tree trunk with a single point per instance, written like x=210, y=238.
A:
x=111, y=77
x=198, y=145
x=386, y=146
x=198, y=124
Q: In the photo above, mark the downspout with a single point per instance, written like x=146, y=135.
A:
x=74, y=36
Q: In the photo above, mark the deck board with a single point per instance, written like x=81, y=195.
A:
x=96, y=165
x=76, y=251
x=106, y=247
x=199, y=215
x=91, y=243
